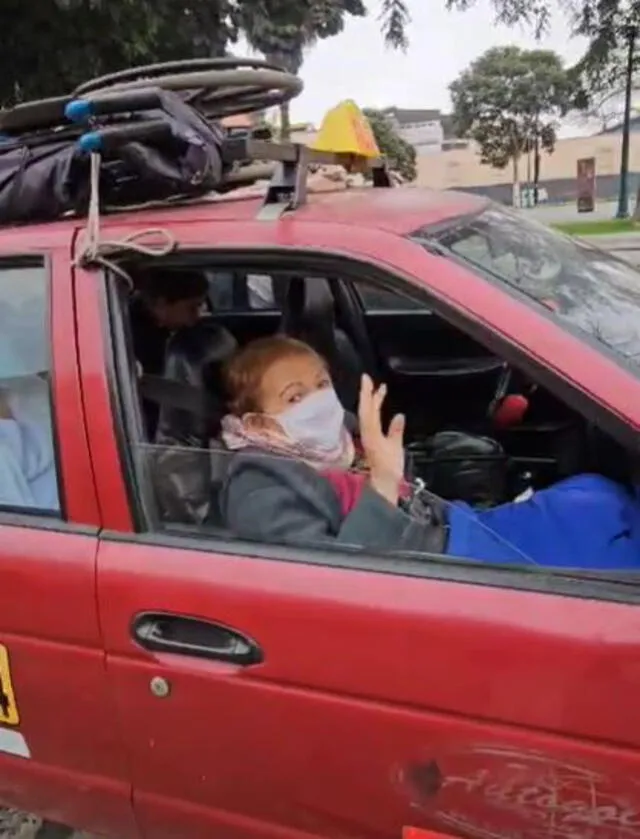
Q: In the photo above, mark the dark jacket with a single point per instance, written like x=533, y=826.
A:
x=276, y=499
x=149, y=339
x=149, y=345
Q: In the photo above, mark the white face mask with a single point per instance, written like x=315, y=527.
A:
x=316, y=421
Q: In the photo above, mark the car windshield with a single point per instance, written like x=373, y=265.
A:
x=596, y=293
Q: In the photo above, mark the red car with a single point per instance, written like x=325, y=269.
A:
x=162, y=678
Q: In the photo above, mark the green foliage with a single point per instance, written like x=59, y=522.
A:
x=604, y=19
x=282, y=30
x=395, y=18
x=612, y=30
x=509, y=99
x=533, y=13
x=401, y=156
x=50, y=46
x=606, y=23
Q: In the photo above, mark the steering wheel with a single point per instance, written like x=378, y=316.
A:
x=501, y=390
x=507, y=409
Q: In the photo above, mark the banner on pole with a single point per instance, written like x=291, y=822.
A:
x=586, y=184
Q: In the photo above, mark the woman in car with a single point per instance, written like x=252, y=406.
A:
x=293, y=479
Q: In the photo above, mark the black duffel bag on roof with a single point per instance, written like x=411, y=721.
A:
x=167, y=151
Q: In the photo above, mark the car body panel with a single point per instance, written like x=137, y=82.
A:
x=399, y=211
x=385, y=698
x=76, y=771
x=370, y=679
x=376, y=699
x=100, y=400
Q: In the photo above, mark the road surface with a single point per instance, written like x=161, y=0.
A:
x=623, y=245
x=567, y=213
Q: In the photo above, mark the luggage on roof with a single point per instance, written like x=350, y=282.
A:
x=155, y=129
x=155, y=134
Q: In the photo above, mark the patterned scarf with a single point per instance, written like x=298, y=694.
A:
x=345, y=467
x=237, y=435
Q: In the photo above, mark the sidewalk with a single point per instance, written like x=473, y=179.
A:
x=623, y=245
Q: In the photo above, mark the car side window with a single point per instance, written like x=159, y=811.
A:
x=239, y=291
x=261, y=292
x=28, y=477
x=376, y=299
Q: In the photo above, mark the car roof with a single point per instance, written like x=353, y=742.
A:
x=398, y=210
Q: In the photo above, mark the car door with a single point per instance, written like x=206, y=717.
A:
x=270, y=691
x=60, y=748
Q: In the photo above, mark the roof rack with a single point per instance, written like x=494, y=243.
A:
x=288, y=186
x=107, y=113
x=214, y=87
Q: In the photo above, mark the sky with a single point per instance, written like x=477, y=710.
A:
x=356, y=64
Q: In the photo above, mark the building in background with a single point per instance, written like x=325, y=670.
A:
x=429, y=131
x=422, y=128
x=445, y=161
x=461, y=169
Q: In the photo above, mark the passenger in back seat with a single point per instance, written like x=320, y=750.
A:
x=165, y=300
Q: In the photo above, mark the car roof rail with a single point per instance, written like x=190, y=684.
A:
x=110, y=125
x=287, y=189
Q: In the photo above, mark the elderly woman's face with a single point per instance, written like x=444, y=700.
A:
x=289, y=380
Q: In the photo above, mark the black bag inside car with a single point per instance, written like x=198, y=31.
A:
x=168, y=150
x=465, y=467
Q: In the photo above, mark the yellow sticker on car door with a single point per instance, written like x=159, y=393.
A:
x=9, y=714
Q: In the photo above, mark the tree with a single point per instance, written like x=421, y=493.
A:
x=605, y=107
x=534, y=13
x=401, y=156
x=50, y=46
x=604, y=22
x=509, y=101
x=283, y=31
x=611, y=61
x=283, y=34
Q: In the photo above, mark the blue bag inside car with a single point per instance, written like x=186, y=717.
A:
x=585, y=522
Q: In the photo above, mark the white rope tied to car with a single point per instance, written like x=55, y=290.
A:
x=97, y=251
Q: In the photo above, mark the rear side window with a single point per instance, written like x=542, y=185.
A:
x=237, y=292
x=28, y=476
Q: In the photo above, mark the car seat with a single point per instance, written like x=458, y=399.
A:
x=187, y=465
x=308, y=314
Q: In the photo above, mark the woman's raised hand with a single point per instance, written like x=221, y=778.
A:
x=384, y=452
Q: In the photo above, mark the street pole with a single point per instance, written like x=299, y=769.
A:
x=623, y=194
x=536, y=163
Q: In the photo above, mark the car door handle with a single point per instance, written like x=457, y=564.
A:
x=182, y=635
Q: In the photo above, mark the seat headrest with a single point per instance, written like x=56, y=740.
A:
x=309, y=301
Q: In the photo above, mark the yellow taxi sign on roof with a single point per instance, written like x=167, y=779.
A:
x=346, y=130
